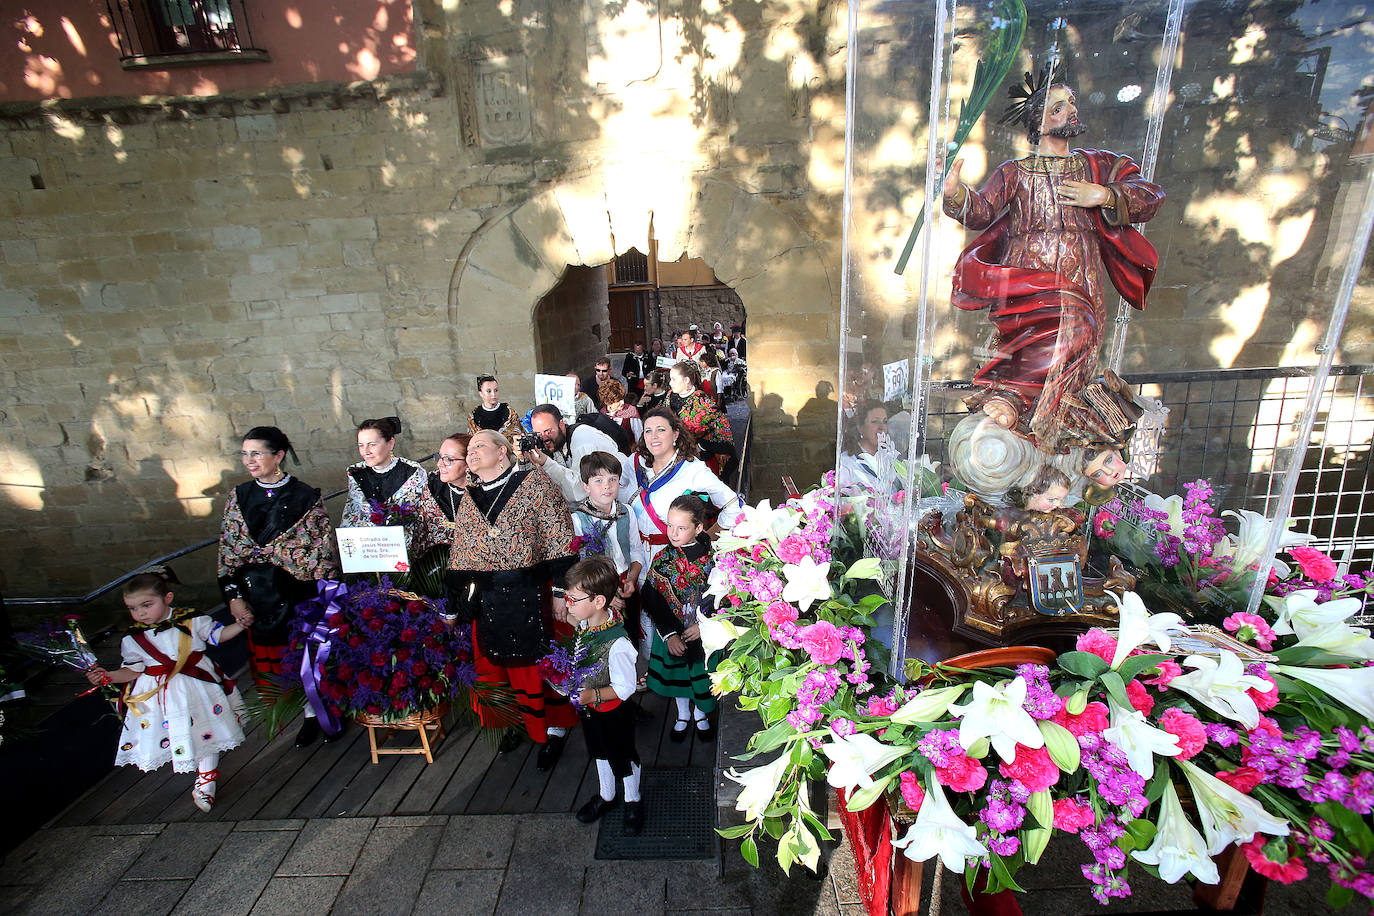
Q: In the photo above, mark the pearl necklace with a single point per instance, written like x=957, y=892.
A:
x=272, y=488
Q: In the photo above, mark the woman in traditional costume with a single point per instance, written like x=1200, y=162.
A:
x=385, y=489
x=702, y=417
x=512, y=545
x=493, y=413
x=275, y=545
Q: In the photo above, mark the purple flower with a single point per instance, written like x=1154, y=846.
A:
x=1003, y=845
x=940, y=746
x=1222, y=735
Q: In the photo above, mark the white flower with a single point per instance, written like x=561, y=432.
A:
x=718, y=583
x=996, y=713
x=1137, y=626
x=1140, y=741
x=939, y=832
x=716, y=633
x=1228, y=816
x=1172, y=506
x=1178, y=847
x=1299, y=613
x=1253, y=538
x=855, y=758
x=807, y=581
x=1340, y=639
x=760, y=523
x=1352, y=686
x=1220, y=685
x=758, y=786
x=928, y=705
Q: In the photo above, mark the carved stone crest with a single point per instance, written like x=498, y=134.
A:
x=501, y=100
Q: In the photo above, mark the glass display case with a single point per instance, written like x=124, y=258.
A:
x=1098, y=258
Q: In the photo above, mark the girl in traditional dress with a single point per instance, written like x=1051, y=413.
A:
x=493, y=413
x=702, y=417
x=180, y=706
x=398, y=485
x=618, y=409
x=275, y=545
x=674, y=598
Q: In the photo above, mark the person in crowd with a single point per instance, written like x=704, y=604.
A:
x=608, y=717
x=385, y=488
x=447, y=488
x=512, y=545
x=275, y=545
x=866, y=455
x=675, y=600
x=709, y=366
x=613, y=395
x=563, y=447
x=737, y=341
x=719, y=342
x=655, y=391
x=493, y=413
x=688, y=347
x=180, y=708
x=605, y=526
x=582, y=402
x=635, y=369
x=732, y=376
x=601, y=372
x=702, y=417
x=656, y=350
x=666, y=465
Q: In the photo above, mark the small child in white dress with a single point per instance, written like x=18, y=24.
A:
x=180, y=706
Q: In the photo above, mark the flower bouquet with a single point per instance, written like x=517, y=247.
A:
x=382, y=513
x=565, y=669
x=65, y=645
x=1272, y=750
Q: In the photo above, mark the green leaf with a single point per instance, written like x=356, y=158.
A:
x=775, y=826
x=1157, y=783
x=979, y=749
x=1338, y=897
x=867, y=568
x=1041, y=807
x=1351, y=825
x=1142, y=832
x=1083, y=664
x=1116, y=688
x=999, y=871
x=1135, y=664
x=734, y=833
x=750, y=851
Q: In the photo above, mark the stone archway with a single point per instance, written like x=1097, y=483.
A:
x=776, y=268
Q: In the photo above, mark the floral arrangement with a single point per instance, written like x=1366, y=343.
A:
x=381, y=652
x=564, y=669
x=592, y=542
x=63, y=643
x=388, y=513
x=1272, y=749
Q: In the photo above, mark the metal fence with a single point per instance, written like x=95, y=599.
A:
x=1231, y=426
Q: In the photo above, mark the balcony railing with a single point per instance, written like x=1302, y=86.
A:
x=631, y=268
x=163, y=33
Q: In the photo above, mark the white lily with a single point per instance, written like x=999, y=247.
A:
x=1136, y=626
x=1253, y=538
x=855, y=758
x=806, y=581
x=938, y=831
x=1140, y=741
x=1178, y=847
x=1228, y=816
x=716, y=633
x=1352, y=686
x=1299, y=612
x=1172, y=506
x=718, y=583
x=1340, y=639
x=996, y=713
x=758, y=786
x=761, y=523
x=1220, y=685
x=928, y=705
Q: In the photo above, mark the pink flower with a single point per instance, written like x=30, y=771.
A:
x=822, y=641
x=1250, y=628
x=1032, y=768
x=1270, y=698
x=1071, y=816
x=1140, y=697
x=964, y=774
x=912, y=793
x=1242, y=779
x=1168, y=670
x=1098, y=643
x=881, y=706
x=1314, y=564
x=778, y=613
x=765, y=585
x=1283, y=872
x=1092, y=719
x=1191, y=735
x=793, y=549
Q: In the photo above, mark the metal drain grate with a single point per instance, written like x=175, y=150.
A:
x=679, y=818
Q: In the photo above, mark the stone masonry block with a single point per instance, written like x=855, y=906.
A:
x=330, y=230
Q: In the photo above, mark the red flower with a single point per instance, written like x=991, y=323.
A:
x=1099, y=643
x=1069, y=815
x=375, y=625
x=1092, y=719
x=964, y=774
x=373, y=709
x=1032, y=768
x=1191, y=735
x=419, y=668
x=1242, y=779
x=426, y=682
x=398, y=704
x=449, y=670
x=416, y=607
x=344, y=630
x=1314, y=564
x=354, y=642
x=1283, y=872
x=335, y=619
x=1140, y=697
x=437, y=628
x=1270, y=698
x=367, y=613
x=378, y=659
x=403, y=654
x=345, y=671
x=461, y=655
x=409, y=634
x=431, y=643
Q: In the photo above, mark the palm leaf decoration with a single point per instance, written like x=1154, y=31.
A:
x=1008, y=26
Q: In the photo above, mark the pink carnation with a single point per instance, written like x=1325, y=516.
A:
x=1242, y=779
x=1168, y=670
x=822, y=641
x=778, y=613
x=1191, y=735
x=1314, y=564
x=881, y=706
x=1269, y=698
x=1140, y=697
x=793, y=549
x=1032, y=768
x=1071, y=816
x=1283, y=872
x=1099, y=643
x=912, y=793
x=1091, y=719
x=1250, y=628
x=964, y=774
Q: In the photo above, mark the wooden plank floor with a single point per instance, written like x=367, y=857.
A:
x=268, y=780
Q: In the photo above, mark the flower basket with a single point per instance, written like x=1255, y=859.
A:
x=424, y=722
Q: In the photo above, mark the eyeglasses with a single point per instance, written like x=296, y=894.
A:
x=445, y=461
x=603, y=371
x=255, y=455
x=569, y=599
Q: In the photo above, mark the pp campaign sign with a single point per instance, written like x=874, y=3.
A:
x=895, y=379
x=557, y=390
x=379, y=549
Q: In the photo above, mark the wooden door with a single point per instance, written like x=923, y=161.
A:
x=629, y=310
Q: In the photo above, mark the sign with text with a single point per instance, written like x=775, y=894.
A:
x=379, y=549
x=558, y=390
x=895, y=377
x=666, y=362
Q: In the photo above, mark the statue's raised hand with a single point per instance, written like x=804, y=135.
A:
x=951, y=186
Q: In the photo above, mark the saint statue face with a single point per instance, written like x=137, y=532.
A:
x=1052, y=498
x=1061, y=114
x=1106, y=469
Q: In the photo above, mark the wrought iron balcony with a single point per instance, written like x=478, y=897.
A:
x=170, y=33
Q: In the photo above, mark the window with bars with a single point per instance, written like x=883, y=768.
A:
x=167, y=32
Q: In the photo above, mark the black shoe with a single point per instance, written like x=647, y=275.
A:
x=634, y=818
x=707, y=734
x=331, y=737
x=309, y=733
x=679, y=735
x=593, y=809
x=510, y=740
x=549, y=753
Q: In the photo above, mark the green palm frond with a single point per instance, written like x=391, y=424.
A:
x=1005, y=33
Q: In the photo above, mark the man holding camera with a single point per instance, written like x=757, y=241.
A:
x=559, y=450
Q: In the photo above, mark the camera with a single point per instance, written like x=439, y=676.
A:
x=529, y=443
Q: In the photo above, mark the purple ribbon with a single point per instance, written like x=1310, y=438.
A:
x=319, y=640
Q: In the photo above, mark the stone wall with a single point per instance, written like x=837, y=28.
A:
x=572, y=323
x=685, y=306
